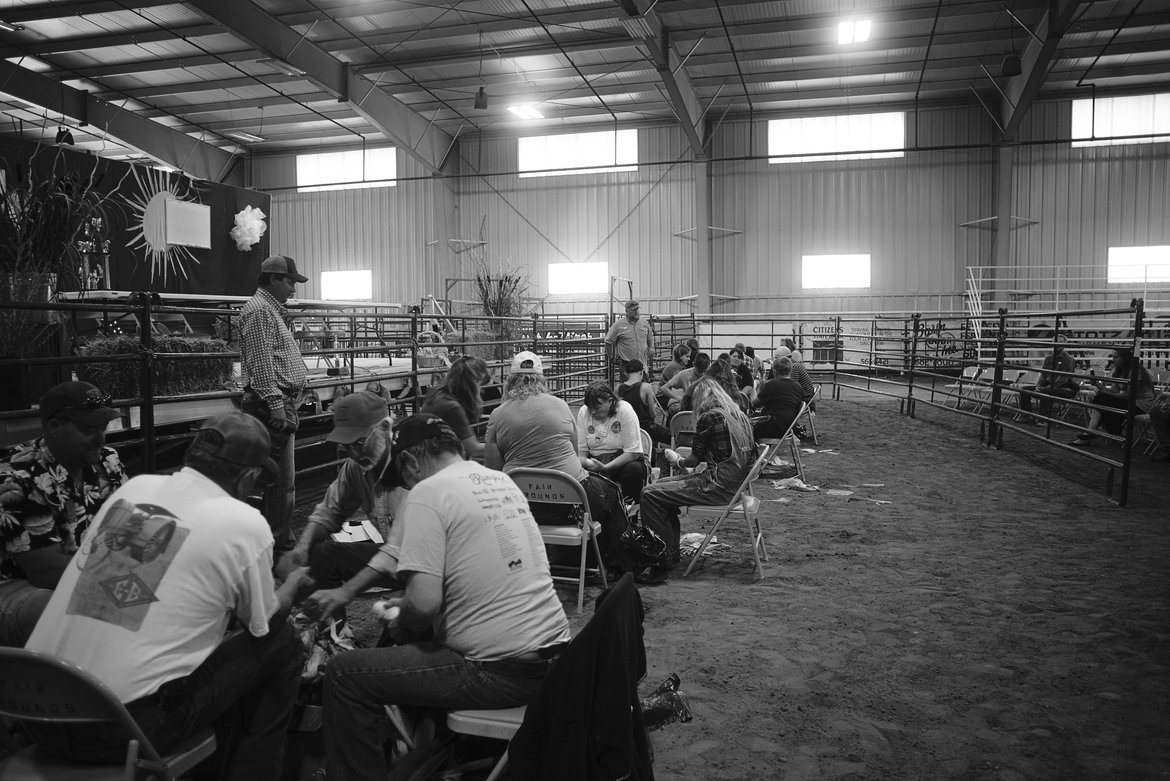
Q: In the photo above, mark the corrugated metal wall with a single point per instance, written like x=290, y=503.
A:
x=905, y=212
x=391, y=230
x=1086, y=199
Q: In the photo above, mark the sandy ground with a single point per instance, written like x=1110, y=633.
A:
x=998, y=618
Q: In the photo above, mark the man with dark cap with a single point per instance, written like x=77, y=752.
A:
x=364, y=484
x=274, y=378
x=145, y=606
x=50, y=487
x=628, y=338
x=477, y=583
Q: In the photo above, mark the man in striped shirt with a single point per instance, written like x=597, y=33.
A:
x=274, y=378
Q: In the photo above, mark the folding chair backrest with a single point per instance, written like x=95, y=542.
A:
x=647, y=442
x=38, y=686
x=550, y=486
x=682, y=423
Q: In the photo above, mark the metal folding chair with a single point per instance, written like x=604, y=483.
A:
x=742, y=503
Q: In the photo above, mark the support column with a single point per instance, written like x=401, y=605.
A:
x=703, y=221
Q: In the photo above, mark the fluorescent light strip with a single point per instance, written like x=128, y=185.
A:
x=247, y=138
x=526, y=112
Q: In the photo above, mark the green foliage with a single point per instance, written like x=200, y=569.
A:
x=172, y=376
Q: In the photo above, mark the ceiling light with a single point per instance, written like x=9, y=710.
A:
x=283, y=67
x=247, y=138
x=9, y=27
x=526, y=112
x=481, y=99
x=64, y=136
x=853, y=31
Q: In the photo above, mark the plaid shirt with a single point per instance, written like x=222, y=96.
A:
x=712, y=439
x=269, y=357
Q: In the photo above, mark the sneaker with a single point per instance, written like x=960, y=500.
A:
x=1082, y=442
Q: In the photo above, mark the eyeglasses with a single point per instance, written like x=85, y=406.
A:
x=357, y=445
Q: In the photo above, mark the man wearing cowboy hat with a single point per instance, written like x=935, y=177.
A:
x=628, y=338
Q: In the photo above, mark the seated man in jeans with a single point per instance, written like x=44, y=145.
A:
x=480, y=615
x=145, y=606
x=1051, y=384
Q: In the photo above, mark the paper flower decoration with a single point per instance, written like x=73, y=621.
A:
x=250, y=226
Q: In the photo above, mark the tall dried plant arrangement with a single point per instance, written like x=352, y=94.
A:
x=501, y=294
x=44, y=208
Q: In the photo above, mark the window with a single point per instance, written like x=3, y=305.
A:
x=826, y=138
x=577, y=278
x=347, y=285
x=348, y=170
x=1139, y=264
x=577, y=153
x=1094, y=121
x=825, y=271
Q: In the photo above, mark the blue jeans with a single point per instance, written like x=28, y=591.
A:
x=661, y=501
x=278, y=490
x=251, y=680
x=21, y=604
x=358, y=684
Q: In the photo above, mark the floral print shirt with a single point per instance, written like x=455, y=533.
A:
x=40, y=506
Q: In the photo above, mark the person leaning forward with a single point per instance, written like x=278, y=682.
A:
x=50, y=487
x=146, y=604
x=274, y=378
x=629, y=338
x=480, y=623
x=362, y=427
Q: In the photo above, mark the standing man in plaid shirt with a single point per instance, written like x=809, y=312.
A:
x=274, y=378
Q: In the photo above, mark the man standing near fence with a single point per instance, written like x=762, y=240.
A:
x=629, y=338
x=274, y=378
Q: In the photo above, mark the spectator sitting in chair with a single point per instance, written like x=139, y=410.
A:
x=535, y=429
x=145, y=607
x=458, y=402
x=1060, y=385
x=720, y=370
x=799, y=373
x=640, y=395
x=608, y=441
x=679, y=358
x=362, y=427
x=722, y=454
x=1116, y=396
x=743, y=372
x=678, y=385
x=480, y=622
x=1160, y=423
x=50, y=487
x=780, y=399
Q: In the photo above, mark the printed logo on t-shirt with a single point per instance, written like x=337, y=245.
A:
x=127, y=557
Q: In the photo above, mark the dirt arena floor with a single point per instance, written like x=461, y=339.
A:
x=937, y=610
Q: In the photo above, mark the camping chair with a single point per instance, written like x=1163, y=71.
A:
x=44, y=688
x=742, y=503
x=772, y=446
x=552, y=486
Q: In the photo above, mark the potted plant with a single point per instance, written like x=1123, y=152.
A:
x=44, y=210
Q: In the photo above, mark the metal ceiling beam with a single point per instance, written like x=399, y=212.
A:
x=32, y=13
x=680, y=95
x=183, y=88
x=178, y=150
x=1020, y=91
x=415, y=135
x=193, y=109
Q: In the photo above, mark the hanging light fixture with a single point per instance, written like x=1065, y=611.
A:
x=481, y=99
x=64, y=136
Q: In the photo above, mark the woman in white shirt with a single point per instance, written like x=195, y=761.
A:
x=608, y=440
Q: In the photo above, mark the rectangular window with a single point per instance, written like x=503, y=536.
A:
x=577, y=278
x=348, y=170
x=578, y=153
x=347, y=285
x=843, y=137
x=1136, y=265
x=834, y=271
x=1094, y=121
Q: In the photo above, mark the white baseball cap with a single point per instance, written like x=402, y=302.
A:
x=527, y=363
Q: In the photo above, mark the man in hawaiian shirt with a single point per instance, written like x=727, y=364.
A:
x=50, y=487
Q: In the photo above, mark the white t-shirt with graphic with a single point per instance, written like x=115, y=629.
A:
x=471, y=526
x=147, y=598
x=616, y=434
